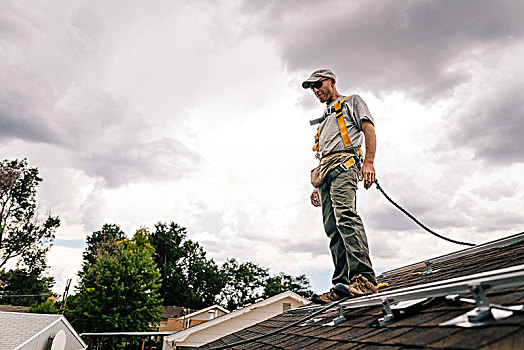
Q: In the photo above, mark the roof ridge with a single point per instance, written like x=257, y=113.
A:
x=501, y=242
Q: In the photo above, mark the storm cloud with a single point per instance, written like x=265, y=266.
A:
x=193, y=112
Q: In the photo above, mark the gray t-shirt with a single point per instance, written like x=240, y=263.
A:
x=355, y=111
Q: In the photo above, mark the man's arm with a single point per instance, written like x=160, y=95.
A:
x=367, y=173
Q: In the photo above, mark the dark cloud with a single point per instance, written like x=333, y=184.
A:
x=52, y=92
x=407, y=46
x=121, y=163
x=492, y=125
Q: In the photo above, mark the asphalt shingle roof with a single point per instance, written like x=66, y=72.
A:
x=16, y=328
x=419, y=330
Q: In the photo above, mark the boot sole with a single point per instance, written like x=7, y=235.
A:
x=316, y=299
x=342, y=291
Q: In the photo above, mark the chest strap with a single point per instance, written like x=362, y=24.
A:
x=342, y=124
x=337, y=108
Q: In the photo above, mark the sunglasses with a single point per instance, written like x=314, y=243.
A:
x=316, y=84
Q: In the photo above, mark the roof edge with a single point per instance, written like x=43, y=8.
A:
x=59, y=318
x=205, y=310
x=38, y=333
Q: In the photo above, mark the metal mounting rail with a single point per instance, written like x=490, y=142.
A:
x=494, y=280
x=502, y=242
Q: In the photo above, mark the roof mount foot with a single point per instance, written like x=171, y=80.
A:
x=341, y=318
x=482, y=313
x=388, y=314
x=429, y=268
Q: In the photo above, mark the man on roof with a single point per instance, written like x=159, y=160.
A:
x=345, y=124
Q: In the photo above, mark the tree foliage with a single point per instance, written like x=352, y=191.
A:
x=282, y=282
x=100, y=242
x=120, y=290
x=248, y=282
x=245, y=283
x=188, y=278
x=23, y=287
x=47, y=307
x=192, y=280
x=22, y=235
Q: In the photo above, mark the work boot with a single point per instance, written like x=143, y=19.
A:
x=359, y=286
x=325, y=298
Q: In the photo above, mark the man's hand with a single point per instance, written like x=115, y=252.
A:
x=367, y=173
x=315, y=198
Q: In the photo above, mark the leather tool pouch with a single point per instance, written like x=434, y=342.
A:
x=327, y=164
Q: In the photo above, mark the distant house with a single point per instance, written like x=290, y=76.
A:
x=234, y=321
x=470, y=299
x=28, y=331
x=185, y=321
x=169, y=312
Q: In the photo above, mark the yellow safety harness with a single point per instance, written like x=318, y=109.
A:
x=343, y=133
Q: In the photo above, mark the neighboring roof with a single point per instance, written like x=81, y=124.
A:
x=501, y=262
x=182, y=335
x=174, y=311
x=204, y=311
x=14, y=308
x=17, y=329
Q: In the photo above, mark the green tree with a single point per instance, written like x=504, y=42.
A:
x=102, y=241
x=24, y=287
x=47, y=307
x=188, y=278
x=120, y=291
x=283, y=282
x=22, y=235
x=245, y=283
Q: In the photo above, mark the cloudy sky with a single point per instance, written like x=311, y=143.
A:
x=191, y=111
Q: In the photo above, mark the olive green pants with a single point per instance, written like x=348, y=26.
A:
x=348, y=245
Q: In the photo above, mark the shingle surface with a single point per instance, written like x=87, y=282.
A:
x=16, y=328
x=420, y=330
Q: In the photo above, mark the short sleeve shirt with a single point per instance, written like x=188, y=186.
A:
x=355, y=111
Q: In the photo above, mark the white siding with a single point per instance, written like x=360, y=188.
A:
x=40, y=342
x=237, y=323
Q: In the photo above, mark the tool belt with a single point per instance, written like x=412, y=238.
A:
x=333, y=165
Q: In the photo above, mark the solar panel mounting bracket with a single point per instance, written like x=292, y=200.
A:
x=388, y=314
x=482, y=312
x=429, y=268
x=341, y=318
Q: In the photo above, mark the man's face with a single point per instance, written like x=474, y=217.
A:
x=325, y=91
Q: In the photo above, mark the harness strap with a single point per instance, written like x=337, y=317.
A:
x=317, y=137
x=341, y=123
x=356, y=159
x=317, y=121
x=337, y=108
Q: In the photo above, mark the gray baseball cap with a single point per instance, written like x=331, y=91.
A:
x=318, y=75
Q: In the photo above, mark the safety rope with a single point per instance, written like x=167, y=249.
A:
x=418, y=222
